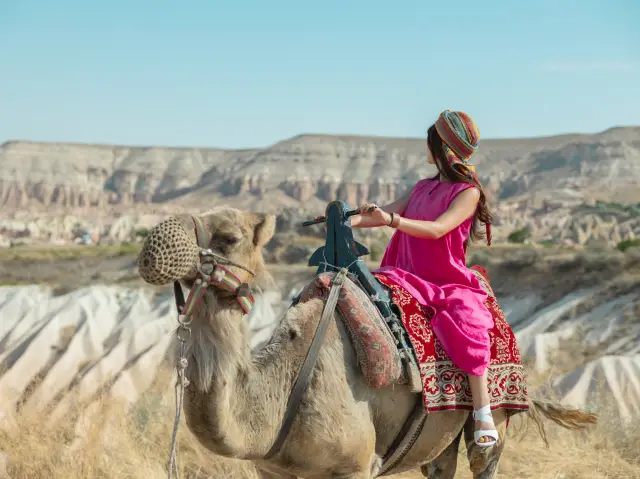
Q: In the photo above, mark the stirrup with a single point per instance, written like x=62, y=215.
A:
x=484, y=414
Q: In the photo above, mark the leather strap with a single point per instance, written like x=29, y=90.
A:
x=202, y=236
x=179, y=295
x=302, y=380
x=405, y=439
x=222, y=276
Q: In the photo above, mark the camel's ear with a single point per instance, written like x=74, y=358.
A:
x=264, y=230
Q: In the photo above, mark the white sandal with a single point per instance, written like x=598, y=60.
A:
x=484, y=415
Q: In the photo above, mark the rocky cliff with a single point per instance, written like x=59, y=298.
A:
x=541, y=184
x=308, y=167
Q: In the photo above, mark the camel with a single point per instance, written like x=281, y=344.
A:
x=235, y=402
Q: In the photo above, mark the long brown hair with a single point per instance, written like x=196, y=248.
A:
x=457, y=175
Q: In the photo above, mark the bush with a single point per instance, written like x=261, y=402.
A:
x=480, y=258
x=142, y=233
x=626, y=244
x=376, y=252
x=519, y=236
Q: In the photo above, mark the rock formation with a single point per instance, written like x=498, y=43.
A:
x=326, y=167
x=546, y=185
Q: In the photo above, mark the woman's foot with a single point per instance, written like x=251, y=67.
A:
x=485, y=434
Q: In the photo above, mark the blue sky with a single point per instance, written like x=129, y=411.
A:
x=250, y=73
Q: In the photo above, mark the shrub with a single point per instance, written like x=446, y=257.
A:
x=626, y=244
x=519, y=236
x=142, y=232
x=376, y=251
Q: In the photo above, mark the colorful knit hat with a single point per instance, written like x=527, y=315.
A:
x=460, y=136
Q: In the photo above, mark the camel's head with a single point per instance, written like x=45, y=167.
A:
x=171, y=250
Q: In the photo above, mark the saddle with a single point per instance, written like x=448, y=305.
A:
x=342, y=251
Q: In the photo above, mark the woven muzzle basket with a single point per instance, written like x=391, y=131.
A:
x=169, y=253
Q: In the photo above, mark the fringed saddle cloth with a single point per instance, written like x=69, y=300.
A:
x=444, y=385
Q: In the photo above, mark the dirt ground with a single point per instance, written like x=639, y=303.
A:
x=513, y=270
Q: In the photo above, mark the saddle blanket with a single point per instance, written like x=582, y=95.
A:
x=374, y=344
x=444, y=385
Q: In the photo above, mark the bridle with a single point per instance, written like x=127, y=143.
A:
x=209, y=273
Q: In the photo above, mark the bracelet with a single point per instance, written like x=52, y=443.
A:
x=393, y=220
x=390, y=222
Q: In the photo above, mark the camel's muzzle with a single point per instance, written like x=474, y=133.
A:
x=169, y=253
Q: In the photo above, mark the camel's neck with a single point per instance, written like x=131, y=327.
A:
x=219, y=348
x=230, y=395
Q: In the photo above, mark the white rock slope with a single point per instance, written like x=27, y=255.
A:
x=96, y=339
x=107, y=339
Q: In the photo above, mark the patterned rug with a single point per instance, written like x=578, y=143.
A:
x=445, y=386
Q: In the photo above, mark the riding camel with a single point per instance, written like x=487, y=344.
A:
x=235, y=403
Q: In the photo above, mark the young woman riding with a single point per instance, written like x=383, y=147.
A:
x=426, y=254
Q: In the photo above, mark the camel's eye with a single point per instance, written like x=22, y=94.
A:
x=226, y=241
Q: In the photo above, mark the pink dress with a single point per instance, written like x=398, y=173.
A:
x=434, y=271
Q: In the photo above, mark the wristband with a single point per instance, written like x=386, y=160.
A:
x=391, y=221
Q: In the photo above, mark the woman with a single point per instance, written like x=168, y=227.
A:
x=426, y=255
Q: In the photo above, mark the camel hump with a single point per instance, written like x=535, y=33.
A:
x=375, y=345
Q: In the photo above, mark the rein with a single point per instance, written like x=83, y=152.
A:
x=210, y=273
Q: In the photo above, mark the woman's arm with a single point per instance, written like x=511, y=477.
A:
x=461, y=208
x=397, y=208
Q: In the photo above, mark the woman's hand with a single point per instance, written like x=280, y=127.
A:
x=377, y=215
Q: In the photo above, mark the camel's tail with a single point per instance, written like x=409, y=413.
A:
x=568, y=418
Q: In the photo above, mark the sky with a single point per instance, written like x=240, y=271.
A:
x=251, y=73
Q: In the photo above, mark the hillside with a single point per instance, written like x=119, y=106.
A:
x=569, y=189
x=308, y=167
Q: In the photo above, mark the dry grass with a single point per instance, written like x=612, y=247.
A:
x=609, y=449
x=113, y=441
x=53, y=253
x=107, y=439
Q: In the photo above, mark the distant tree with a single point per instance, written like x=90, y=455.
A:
x=519, y=236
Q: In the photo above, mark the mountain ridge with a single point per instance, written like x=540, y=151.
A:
x=312, y=134
x=534, y=183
